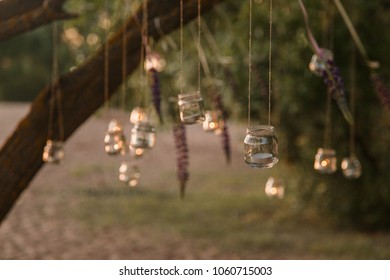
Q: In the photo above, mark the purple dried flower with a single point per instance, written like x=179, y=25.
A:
x=225, y=133
x=381, y=90
x=179, y=133
x=335, y=84
x=156, y=93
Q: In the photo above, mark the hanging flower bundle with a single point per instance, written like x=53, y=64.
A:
x=179, y=134
x=329, y=71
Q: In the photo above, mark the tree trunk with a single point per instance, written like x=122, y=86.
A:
x=17, y=17
x=82, y=94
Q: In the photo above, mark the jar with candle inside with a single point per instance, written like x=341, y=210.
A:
x=325, y=161
x=351, y=167
x=53, y=152
x=191, y=107
x=143, y=136
x=213, y=122
x=261, y=147
x=114, y=140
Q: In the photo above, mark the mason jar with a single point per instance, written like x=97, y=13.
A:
x=352, y=169
x=191, y=107
x=274, y=188
x=129, y=174
x=53, y=152
x=143, y=136
x=261, y=147
x=115, y=140
x=325, y=161
x=211, y=121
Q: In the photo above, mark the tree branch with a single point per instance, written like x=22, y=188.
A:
x=82, y=94
x=23, y=18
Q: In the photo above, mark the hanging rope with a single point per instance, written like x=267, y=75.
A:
x=199, y=42
x=124, y=56
x=106, y=55
x=250, y=62
x=270, y=62
x=55, y=91
x=181, y=47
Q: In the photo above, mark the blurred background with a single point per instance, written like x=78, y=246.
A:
x=80, y=210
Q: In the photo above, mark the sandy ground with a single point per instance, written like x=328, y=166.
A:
x=38, y=227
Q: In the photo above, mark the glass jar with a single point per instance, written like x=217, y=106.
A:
x=325, y=161
x=138, y=115
x=351, y=167
x=143, y=136
x=261, y=147
x=317, y=65
x=115, y=140
x=213, y=122
x=53, y=152
x=153, y=61
x=129, y=174
x=191, y=107
x=274, y=188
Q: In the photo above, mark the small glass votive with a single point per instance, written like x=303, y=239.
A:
x=53, y=152
x=261, y=147
x=115, y=140
x=191, y=107
x=138, y=115
x=352, y=169
x=129, y=174
x=274, y=188
x=325, y=161
x=143, y=136
x=212, y=122
x=317, y=65
x=154, y=62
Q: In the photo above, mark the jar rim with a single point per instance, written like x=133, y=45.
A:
x=328, y=151
x=260, y=128
x=189, y=94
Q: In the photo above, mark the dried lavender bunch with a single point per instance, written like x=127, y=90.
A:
x=335, y=84
x=225, y=133
x=381, y=90
x=156, y=93
x=179, y=133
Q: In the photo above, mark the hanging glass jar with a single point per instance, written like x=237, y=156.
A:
x=191, y=107
x=129, y=174
x=53, y=152
x=325, y=161
x=138, y=115
x=351, y=167
x=154, y=62
x=115, y=140
x=274, y=188
x=318, y=65
x=143, y=136
x=261, y=147
x=213, y=122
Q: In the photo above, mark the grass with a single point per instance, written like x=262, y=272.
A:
x=228, y=212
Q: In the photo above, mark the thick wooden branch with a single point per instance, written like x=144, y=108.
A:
x=30, y=16
x=82, y=94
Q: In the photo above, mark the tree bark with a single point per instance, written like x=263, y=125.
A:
x=82, y=94
x=19, y=16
